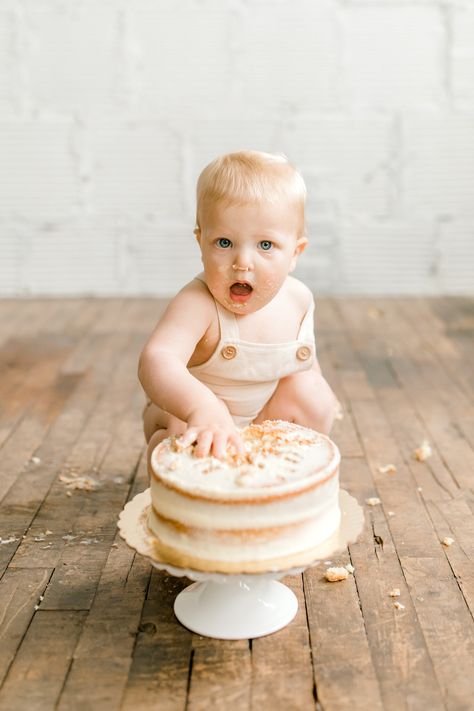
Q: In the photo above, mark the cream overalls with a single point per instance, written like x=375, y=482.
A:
x=244, y=374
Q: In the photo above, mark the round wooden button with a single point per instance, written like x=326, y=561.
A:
x=303, y=353
x=229, y=352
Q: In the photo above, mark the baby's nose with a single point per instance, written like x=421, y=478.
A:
x=239, y=268
x=243, y=263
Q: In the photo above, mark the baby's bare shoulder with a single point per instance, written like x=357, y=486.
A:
x=185, y=320
x=299, y=292
x=195, y=289
x=193, y=304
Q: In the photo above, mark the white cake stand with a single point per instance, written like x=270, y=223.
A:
x=235, y=606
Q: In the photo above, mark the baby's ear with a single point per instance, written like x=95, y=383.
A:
x=301, y=243
x=197, y=234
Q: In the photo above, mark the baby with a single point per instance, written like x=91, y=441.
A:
x=236, y=345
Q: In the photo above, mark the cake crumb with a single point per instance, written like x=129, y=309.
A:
x=391, y=513
x=86, y=483
x=243, y=479
x=447, y=541
x=388, y=469
x=423, y=451
x=292, y=459
x=42, y=536
x=399, y=605
x=373, y=501
x=5, y=541
x=35, y=460
x=176, y=444
x=349, y=567
x=395, y=592
x=375, y=313
x=336, y=574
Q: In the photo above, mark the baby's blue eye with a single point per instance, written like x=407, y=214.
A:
x=265, y=244
x=224, y=242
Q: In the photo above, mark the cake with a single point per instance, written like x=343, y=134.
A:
x=266, y=510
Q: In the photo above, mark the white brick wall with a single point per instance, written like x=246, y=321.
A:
x=109, y=110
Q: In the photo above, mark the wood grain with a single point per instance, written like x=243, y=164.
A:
x=87, y=623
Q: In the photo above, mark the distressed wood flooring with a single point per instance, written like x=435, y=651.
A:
x=87, y=624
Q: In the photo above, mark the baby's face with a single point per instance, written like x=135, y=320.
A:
x=248, y=251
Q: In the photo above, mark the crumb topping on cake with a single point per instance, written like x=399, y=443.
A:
x=277, y=454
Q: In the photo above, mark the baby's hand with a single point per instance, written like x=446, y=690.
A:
x=213, y=431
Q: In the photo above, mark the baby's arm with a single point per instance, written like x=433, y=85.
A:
x=166, y=380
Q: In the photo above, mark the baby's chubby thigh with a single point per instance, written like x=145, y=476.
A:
x=158, y=424
x=154, y=418
x=304, y=398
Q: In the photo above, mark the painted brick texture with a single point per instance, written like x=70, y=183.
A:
x=108, y=112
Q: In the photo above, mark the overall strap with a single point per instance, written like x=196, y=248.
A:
x=306, y=332
x=227, y=321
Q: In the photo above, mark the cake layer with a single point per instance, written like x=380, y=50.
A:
x=281, y=459
x=263, y=512
x=246, y=545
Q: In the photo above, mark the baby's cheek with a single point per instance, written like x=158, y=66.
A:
x=271, y=286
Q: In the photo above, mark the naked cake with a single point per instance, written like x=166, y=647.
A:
x=263, y=511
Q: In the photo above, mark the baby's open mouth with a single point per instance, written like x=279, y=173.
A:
x=240, y=291
x=240, y=288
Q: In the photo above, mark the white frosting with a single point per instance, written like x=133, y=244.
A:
x=208, y=514
x=282, y=499
x=205, y=543
x=283, y=458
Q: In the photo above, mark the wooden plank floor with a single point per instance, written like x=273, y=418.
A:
x=86, y=624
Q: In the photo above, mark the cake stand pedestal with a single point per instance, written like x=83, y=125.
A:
x=236, y=608
x=238, y=605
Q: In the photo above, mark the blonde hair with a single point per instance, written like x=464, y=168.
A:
x=250, y=176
